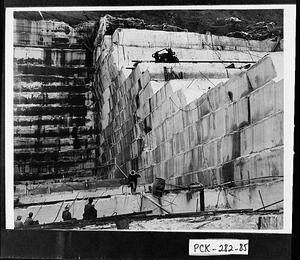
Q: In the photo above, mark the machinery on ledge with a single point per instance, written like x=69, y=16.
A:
x=165, y=55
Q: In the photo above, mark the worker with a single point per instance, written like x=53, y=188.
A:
x=132, y=179
x=89, y=211
x=66, y=215
x=18, y=222
x=169, y=54
x=29, y=220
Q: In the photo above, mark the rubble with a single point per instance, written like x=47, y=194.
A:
x=220, y=222
x=259, y=31
x=112, y=23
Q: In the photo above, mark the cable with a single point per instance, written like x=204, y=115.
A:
x=218, y=55
x=185, y=110
x=207, y=78
x=191, y=83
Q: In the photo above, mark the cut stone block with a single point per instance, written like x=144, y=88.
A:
x=268, y=68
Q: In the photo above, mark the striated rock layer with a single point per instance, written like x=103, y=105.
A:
x=53, y=122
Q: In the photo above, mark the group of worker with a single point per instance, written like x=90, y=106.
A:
x=89, y=213
x=28, y=221
x=89, y=210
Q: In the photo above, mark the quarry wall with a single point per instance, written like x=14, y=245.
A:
x=53, y=122
x=229, y=130
x=199, y=120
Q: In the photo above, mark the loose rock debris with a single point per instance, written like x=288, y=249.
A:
x=221, y=222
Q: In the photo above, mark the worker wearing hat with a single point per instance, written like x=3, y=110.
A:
x=66, y=215
x=18, y=222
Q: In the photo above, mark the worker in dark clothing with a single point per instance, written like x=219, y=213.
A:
x=89, y=211
x=66, y=215
x=18, y=222
x=29, y=221
x=169, y=54
x=132, y=179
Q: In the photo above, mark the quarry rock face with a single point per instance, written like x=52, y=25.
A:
x=83, y=107
x=53, y=121
x=219, y=124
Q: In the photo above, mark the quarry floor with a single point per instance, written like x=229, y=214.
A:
x=218, y=222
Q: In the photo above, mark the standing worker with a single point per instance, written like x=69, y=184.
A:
x=89, y=211
x=66, y=215
x=132, y=178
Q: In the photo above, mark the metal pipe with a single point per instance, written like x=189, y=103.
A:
x=121, y=170
x=269, y=205
x=39, y=209
x=204, y=61
x=58, y=211
x=155, y=203
x=73, y=203
x=262, y=202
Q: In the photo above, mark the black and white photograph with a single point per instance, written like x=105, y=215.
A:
x=135, y=119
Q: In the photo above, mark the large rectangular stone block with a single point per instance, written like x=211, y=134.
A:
x=196, y=158
x=246, y=142
x=268, y=133
x=193, y=114
x=237, y=115
x=170, y=127
x=265, y=164
x=205, y=132
x=205, y=177
x=230, y=145
x=183, y=140
x=242, y=112
x=219, y=123
x=203, y=106
x=209, y=155
x=279, y=96
x=268, y=68
x=266, y=100
x=165, y=107
x=176, y=143
x=158, y=39
x=144, y=79
x=169, y=149
x=192, y=135
x=178, y=122
x=237, y=87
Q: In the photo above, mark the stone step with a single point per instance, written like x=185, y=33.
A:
x=50, y=121
x=50, y=87
x=25, y=69
x=28, y=110
x=53, y=131
x=39, y=55
x=53, y=143
x=48, y=99
x=50, y=79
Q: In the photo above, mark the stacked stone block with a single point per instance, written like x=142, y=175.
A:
x=132, y=44
x=220, y=138
x=217, y=138
x=118, y=125
x=221, y=127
